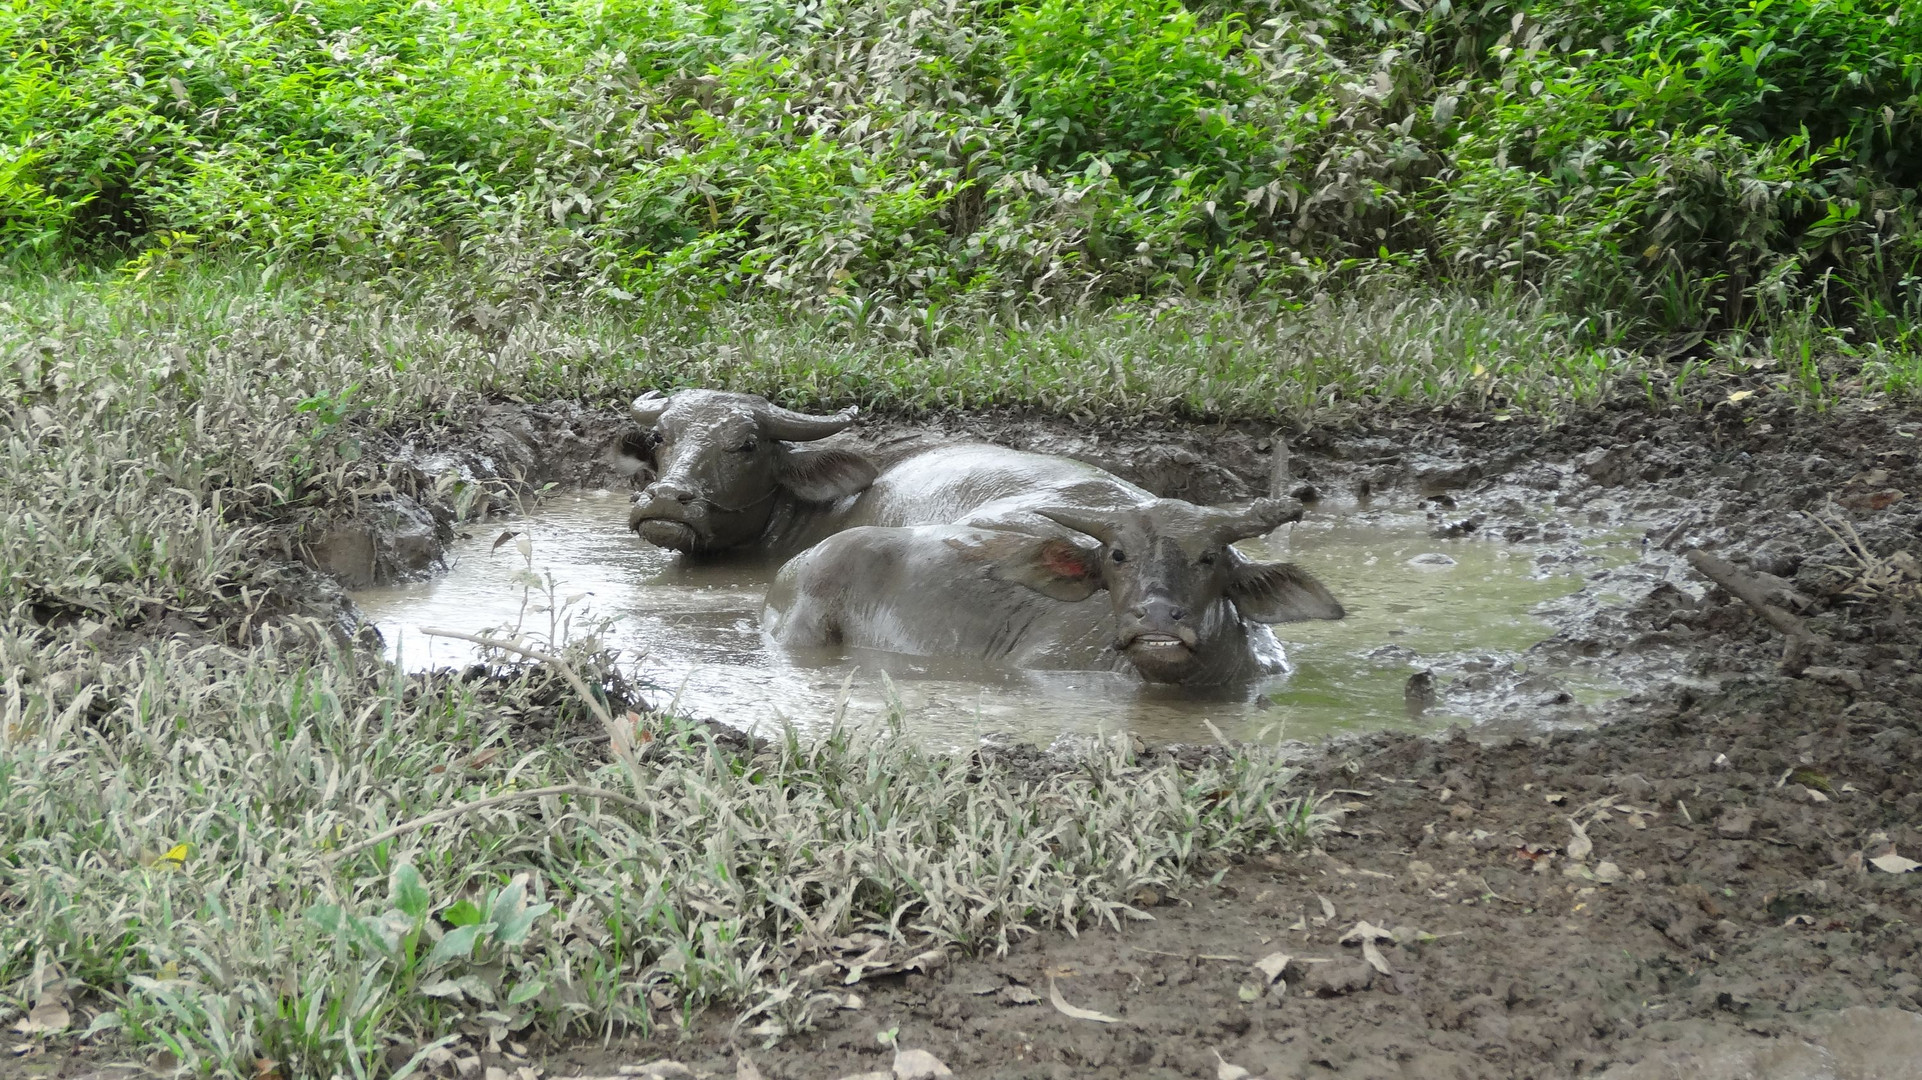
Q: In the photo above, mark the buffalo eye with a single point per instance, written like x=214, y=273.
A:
x=747, y=447
x=1208, y=558
x=1118, y=555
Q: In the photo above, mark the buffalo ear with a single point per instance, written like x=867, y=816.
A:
x=1049, y=565
x=634, y=453
x=1280, y=592
x=824, y=475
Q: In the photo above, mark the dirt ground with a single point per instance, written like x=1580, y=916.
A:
x=1708, y=884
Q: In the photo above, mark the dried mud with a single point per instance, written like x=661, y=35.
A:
x=1689, y=888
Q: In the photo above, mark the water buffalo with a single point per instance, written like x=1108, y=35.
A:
x=726, y=472
x=1183, y=605
x=729, y=476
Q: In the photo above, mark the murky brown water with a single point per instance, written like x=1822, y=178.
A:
x=1414, y=602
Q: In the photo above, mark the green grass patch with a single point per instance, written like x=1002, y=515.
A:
x=175, y=859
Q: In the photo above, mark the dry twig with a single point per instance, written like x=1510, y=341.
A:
x=1799, y=648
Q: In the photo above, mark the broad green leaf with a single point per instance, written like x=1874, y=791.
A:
x=514, y=930
x=455, y=945
x=409, y=894
x=461, y=913
x=325, y=916
x=507, y=902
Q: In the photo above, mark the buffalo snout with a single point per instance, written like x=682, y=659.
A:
x=669, y=491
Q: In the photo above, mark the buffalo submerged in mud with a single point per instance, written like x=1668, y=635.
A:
x=969, y=550
x=729, y=478
x=1183, y=605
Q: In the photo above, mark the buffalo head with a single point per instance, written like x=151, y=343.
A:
x=723, y=461
x=1166, y=564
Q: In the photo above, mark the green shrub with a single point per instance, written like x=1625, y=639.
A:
x=1676, y=162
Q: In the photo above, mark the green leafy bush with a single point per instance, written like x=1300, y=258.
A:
x=1681, y=163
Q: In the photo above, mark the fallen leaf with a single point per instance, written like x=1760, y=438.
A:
x=1376, y=960
x=1248, y=992
x=1273, y=965
x=45, y=1018
x=1020, y=995
x=1327, y=906
x=923, y=962
x=1061, y=1006
x=1366, y=931
x=1225, y=1071
x=1367, y=934
x=1740, y=395
x=1890, y=863
x=919, y=1065
x=502, y=539
x=1608, y=873
x=659, y=1070
x=1579, y=845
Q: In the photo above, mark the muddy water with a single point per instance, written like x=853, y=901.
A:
x=1415, y=602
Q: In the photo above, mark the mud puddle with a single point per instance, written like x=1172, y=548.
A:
x=1459, y=607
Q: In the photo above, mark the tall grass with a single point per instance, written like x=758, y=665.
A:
x=175, y=827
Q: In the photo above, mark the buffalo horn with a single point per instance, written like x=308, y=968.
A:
x=1091, y=522
x=647, y=408
x=1258, y=518
x=791, y=426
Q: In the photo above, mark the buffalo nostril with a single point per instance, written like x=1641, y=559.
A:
x=672, y=492
x=1137, y=612
x=1178, y=614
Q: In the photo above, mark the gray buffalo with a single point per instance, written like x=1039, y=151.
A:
x=733, y=473
x=1184, y=606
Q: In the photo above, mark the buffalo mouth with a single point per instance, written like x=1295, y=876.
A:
x=662, y=532
x=1159, y=657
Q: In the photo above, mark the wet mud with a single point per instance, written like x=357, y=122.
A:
x=1709, y=883
x=1454, y=611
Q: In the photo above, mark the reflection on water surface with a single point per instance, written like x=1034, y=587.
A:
x=1413, y=602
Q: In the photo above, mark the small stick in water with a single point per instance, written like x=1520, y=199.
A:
x=1799, y=648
